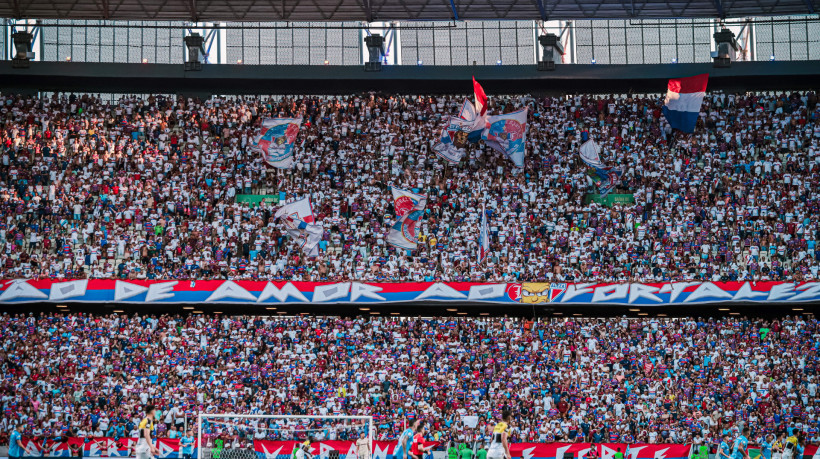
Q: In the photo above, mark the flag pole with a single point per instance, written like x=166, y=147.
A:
x=482, y=226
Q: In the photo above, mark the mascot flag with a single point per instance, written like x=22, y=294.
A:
x=405, y=201
x=297, y=216
x=605, y=178
x=409, y=208
x=455, y=135
x=507, y=135
x=275, y=141
x=590, y=151
x=684, y=97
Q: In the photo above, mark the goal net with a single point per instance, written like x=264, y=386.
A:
x=256, y=436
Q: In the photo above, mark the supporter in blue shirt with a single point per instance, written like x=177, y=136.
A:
x=187, y=445
x=16, y=447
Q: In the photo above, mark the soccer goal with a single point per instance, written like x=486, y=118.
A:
x=260, y=436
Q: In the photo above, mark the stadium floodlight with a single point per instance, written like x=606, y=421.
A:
x=726, y=48
x=196, y=51
x=375, y=50
x=22, y=50
x=553, y=51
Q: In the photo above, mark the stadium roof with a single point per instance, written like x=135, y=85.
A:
x=398, y=10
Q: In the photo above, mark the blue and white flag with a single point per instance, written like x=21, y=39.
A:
x=276, y=139
x=606, y=178
x=297, y=216
x=507, y=134
x=684, y=97
x=307, y=236
x=590, y=153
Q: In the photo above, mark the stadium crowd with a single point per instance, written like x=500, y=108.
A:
x=147, y=188
x=613, y=380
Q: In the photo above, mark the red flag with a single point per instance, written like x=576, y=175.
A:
x=480, y=98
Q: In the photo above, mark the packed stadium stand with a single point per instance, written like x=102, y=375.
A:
x=146, y=188
x=600, y=380
x=298, y=230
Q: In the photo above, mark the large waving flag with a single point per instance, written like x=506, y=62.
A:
x=450, y=146
x=466, y=127
x=275, y=141
x=404, y=201
x=590, y=151
x=409, y=208
x=403, y=232
x=684, y=97
x=297, y=216
x=307, y=235
x=447, y=150
x=507, y=135
x=606, y=178
x=300, y=209
x=483, y=237
x=460, y=130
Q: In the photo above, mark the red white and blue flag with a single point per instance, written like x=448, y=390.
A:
x=298, y=219
x=507, y=134
x=409, y=208
x=454, y=136
x=684, y=97
x=404, y=201
x=275, y=141
x=307, y=235
x=483, y=237
x=300, y=209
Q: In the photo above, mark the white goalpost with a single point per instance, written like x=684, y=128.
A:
x=239, y=431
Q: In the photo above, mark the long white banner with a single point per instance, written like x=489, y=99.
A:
x=261, y=292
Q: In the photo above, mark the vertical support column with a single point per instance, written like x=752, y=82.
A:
x=394, y=25
x=42, y=47
x=361, y=46
x=6, y=39
x=218, y=31
x=572, y=56
x=752, y=45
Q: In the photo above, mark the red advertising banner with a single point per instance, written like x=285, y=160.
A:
x=265, y=449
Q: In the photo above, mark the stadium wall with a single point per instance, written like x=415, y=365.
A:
x=295, y=79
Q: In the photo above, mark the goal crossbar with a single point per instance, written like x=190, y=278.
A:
x=205, y=416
